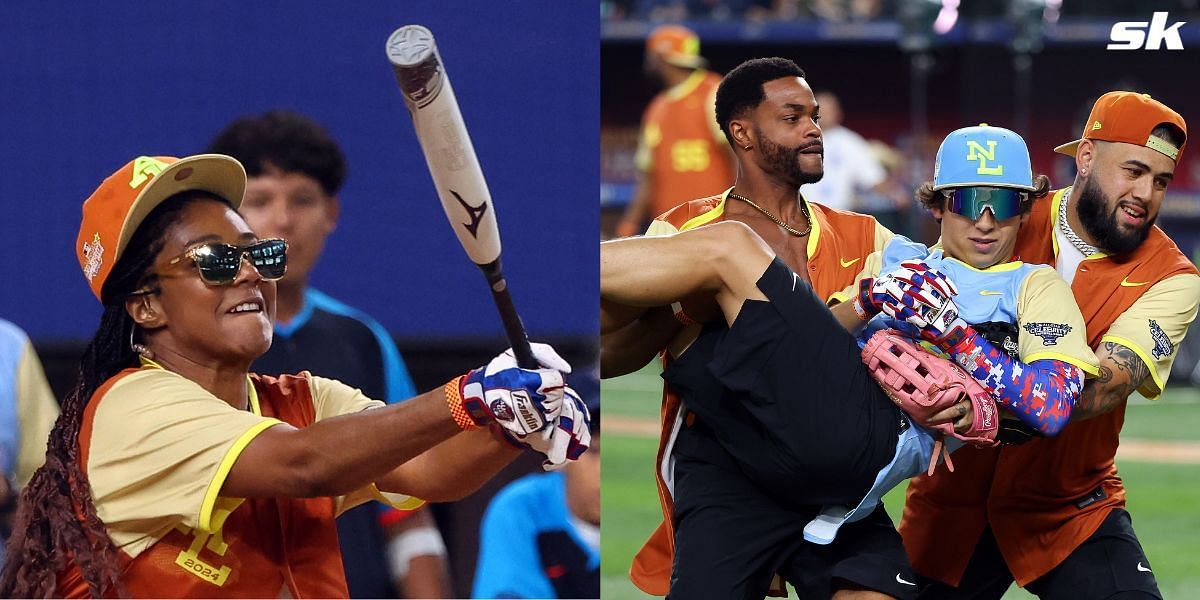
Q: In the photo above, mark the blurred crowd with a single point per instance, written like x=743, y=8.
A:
x=838, y=11
x=675, y=10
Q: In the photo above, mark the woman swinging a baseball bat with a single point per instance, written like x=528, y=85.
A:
x=174, y=472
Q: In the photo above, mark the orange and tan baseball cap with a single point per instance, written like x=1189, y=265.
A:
x=1129, y=117
x=677, y=45
x=115, y=210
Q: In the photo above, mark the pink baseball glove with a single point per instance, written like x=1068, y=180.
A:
x=923, y=384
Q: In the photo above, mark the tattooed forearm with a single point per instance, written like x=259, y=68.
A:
x=1121, y=372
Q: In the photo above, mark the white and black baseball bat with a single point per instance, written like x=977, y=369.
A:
x=457, y=176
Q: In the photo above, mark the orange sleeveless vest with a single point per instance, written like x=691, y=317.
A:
x=264, y=546
x=1033, y=495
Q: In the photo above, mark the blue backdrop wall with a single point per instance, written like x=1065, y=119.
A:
x=84, y=87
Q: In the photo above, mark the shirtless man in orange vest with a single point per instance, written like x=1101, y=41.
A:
x=1050, y=513
x=769, y=115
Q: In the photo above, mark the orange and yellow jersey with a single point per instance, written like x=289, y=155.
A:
x=682, y=146
x=156, y=448
x=1044, y=498
x=837, y=246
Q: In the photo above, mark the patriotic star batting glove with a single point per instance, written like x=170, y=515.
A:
x=876, y=292
x=520, y=401
x=926, y=301
x=869, y=301
x=568, y=439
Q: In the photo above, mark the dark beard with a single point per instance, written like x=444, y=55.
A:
x=1101, y=223
x=785, y=161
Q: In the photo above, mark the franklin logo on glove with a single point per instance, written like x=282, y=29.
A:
x=528, y=412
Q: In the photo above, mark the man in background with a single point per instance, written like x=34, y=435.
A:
x=540, y=536
x=851, y=168
x=295, y=172
x=682, y=154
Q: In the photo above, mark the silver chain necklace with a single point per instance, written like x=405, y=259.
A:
x=1083, y=247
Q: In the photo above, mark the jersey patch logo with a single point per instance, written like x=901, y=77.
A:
x=846, y=263
x=1049, y=332
x=1162, y=342
x=1127, y=283
x=990, y=293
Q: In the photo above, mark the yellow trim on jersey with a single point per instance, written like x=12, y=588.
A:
x=837, y=298
x=254, y=406
x=1090, y=369
x=208, y=521
x=253, y=394
x=687, y=86
x=719, y=210
x=996, y=268
x=1150, y=364
x=709, y=216
x=816, y=228
x=410, y=502
x=1055, y=201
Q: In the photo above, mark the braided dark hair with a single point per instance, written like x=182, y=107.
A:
x=56, y=520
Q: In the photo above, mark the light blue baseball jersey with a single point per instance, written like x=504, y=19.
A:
x=1051, y=328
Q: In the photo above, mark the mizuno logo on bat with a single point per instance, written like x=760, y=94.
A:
x=474, y=212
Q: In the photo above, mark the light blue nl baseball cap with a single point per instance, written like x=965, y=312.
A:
x=992, y=166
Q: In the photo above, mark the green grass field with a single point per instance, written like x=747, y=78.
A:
x=1162, y=497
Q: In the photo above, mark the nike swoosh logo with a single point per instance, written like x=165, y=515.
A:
x=901, y=580
x=846, y=263
x=1141, y=568
x=990, y=293
x=474, y=212
x=1127, y=283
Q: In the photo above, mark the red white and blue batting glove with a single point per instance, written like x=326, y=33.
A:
x=520, y=401
x=568, y=439
x=926, y=301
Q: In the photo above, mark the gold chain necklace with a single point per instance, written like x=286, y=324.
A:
x=777, y=220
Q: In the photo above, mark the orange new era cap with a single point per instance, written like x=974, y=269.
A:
x=115, y=210
x=1129, y=117
x=677, y=45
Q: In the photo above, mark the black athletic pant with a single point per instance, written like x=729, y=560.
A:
x=731, y=538
x=786, y=394
x=785, y=419
x=1109, y=564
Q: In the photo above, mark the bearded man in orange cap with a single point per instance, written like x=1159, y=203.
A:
x=682, y=154
x=1050, y=513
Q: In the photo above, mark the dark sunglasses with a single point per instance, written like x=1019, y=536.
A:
x=219, y=263
x=970, y=202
